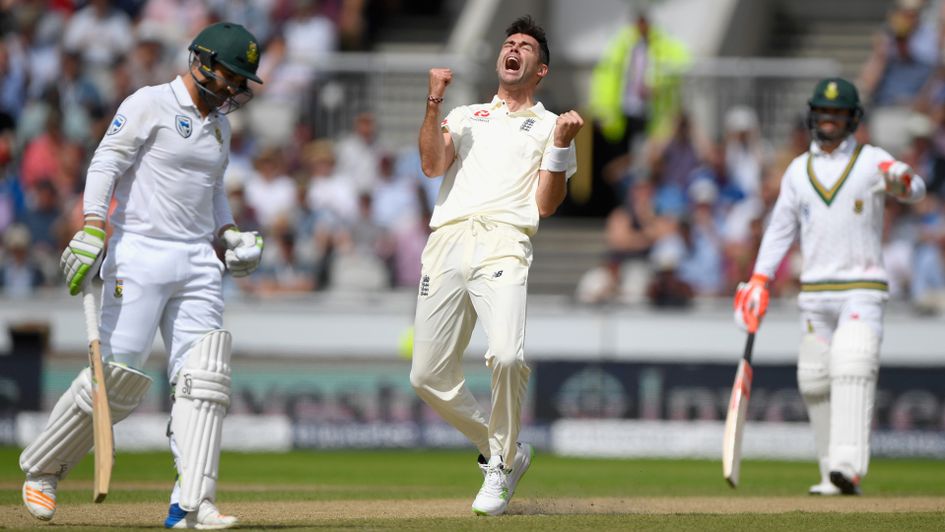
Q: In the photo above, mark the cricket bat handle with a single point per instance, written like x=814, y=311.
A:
x=91, y=315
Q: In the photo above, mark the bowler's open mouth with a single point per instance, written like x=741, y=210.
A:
x=512, y=63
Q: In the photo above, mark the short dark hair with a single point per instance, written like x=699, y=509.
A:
x=526, y=25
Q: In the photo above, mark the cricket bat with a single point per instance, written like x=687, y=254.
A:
x=735, y=419
x=101, y=414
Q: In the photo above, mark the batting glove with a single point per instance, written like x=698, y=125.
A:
x=243, y=251
x=81, y=256
x=751, y=302
x=898, y=178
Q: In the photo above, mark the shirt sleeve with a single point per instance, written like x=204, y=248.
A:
x=781, y=231
x=453, y=124
x=222, y=215
x=128, y=130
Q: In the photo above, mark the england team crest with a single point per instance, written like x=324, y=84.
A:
x=185, y=125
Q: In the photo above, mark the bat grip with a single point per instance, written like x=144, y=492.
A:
x=91, y=315
x=749, y=345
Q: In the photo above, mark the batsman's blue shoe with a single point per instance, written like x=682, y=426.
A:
x=207, y=517
x=174, y=515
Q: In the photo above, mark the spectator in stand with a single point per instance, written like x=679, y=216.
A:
x=904, y=56
x=395, y=198
x=42, y=216
x=635, y=85
x=398, y=209
x=51, y=157
x=147, y=66
x=270, y=191
x=11, y=195
x=281, y=271
x=701, y=266
x=745, y=151
x=359, y=155
x=918, y=154
x=364, y=255
x=329, y=191
x=666, y=288
x=928, y=274
x=177, y=20
x=12, y=81
x=36, y=44
x=102, y=34
x=19, y=275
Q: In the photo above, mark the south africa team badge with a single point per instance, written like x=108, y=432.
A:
x=858, y=206
x=119, y=288
x=184, y=125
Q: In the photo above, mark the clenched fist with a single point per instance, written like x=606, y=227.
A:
x=439, y=79
x=898, y=178
x=567, y=127
x=243, y=251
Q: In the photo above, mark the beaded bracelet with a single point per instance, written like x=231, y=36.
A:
x=434, y=99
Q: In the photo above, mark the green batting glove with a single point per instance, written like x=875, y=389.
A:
x=83, y=254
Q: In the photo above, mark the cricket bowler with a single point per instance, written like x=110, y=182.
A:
x=505, y=164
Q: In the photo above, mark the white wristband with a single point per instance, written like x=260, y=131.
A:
x=556, y=159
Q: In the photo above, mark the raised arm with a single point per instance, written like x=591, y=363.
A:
x=555, y=165
x=436, y=146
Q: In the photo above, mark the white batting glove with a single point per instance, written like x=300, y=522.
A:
x=243, y=251
x=81, y=256
x=898, y=178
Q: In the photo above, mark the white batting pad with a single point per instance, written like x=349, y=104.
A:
x=854, y=365
x=67, y=436
x=201, y=397
x=813, y=381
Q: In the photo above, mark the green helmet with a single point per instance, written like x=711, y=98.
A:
x=834, y=93
x=230, y=45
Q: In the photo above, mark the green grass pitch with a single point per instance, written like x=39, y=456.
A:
x=431, y=490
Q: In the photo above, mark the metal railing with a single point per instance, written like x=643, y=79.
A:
x=777, y=89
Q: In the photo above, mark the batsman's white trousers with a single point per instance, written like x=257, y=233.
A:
x=474, y=268
x=841, y=418
x=151, y=283
x=823, y=312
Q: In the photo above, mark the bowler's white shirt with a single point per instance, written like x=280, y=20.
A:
x=834, y=202
x=165, y=163
x=495, y=172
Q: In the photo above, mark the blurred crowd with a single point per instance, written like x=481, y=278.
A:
x=340, y=212
x=345, y=212
x=694, y=203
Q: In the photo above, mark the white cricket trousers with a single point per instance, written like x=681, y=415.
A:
x=838, y=379
x=151, y=283
x=474, y=268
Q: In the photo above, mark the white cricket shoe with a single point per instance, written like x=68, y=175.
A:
x=207, y=517
x=493, y=496
x=499, y=483
x=39, y=495
x=523, y=459
x=824, y=488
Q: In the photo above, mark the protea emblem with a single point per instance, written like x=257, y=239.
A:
x=831, y=92
x=252, y=53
